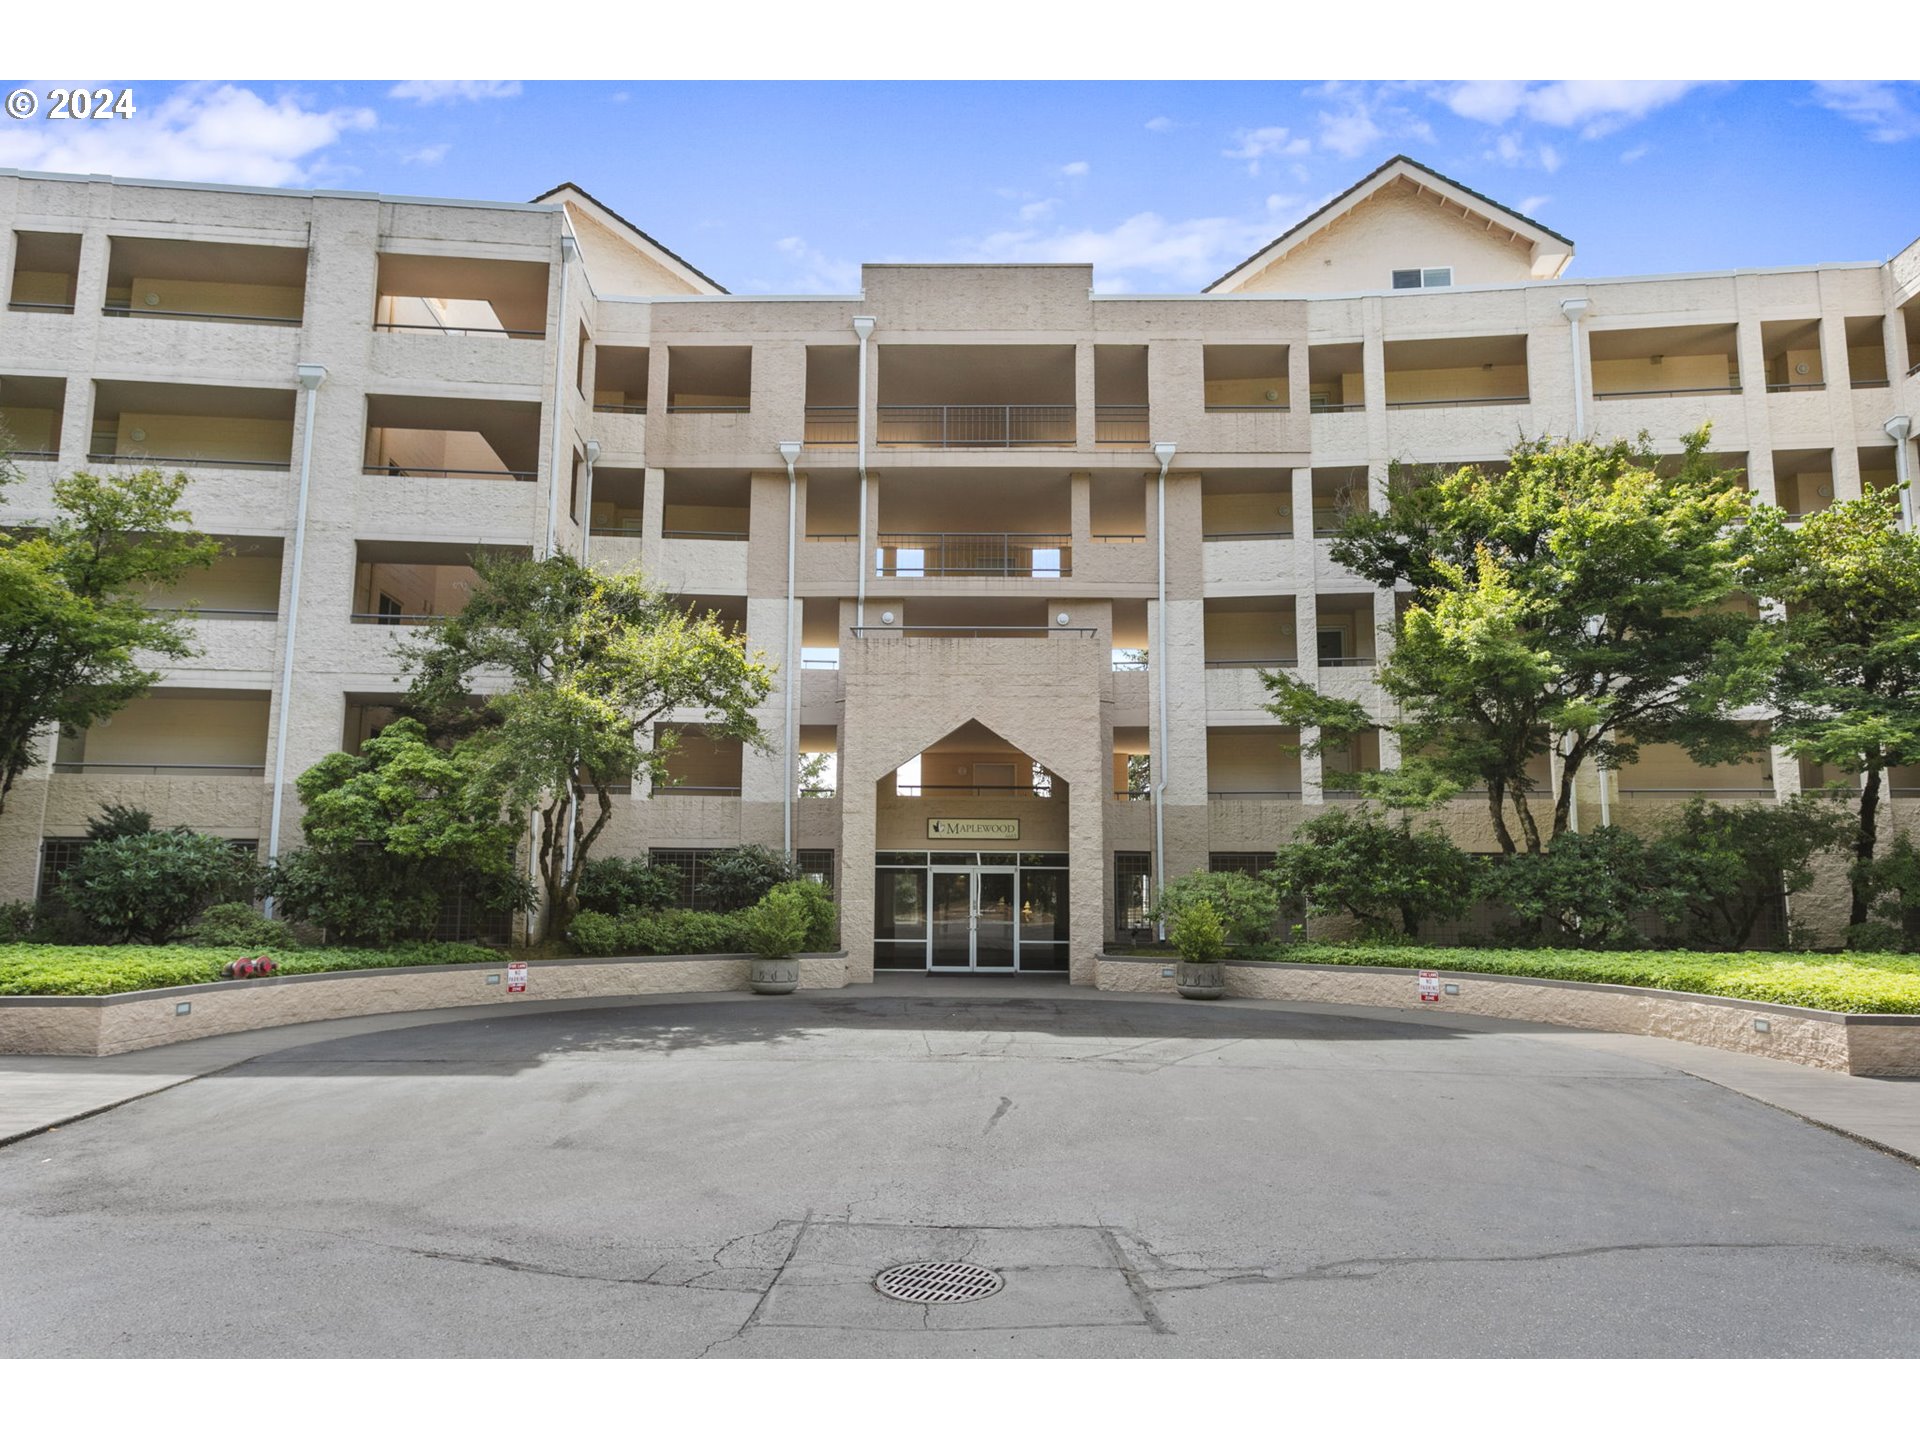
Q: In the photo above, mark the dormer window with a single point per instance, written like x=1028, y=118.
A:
x=1437, y=277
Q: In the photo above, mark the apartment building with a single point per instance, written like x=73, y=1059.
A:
x=1019, y=551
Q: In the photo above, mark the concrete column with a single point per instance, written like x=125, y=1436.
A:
x=653, y=508
x=1085, y=412
x=1080, y=508
x=1299, y=378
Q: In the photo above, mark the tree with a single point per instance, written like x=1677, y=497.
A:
x=1575, y=603
x=591, y=661
x=1730, y=863
x=1588, y=888
x=1847, y=691
x=72, y=632
x=1377, y=870
x=1246, y=907
x=390, y=831
x=147, y=885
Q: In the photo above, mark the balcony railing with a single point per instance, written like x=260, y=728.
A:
x=941, y=427
x=1793, y=385
x=103, y=457
x=1871, y=384
x=1124, y=425
x=833, y=426
x=37, y=455
x=703, y=534
x=373, y=617
x=1665, y=394
x=973, y=632
x=1253, y=795
x=1348, y=662
x=498, y=332
x=1282, y=662
x=39, y=307
x=619, y=409
x=1463, y=400
x=629, y=528
x=741, y=409
x=1335, y=407
x=125, y=767
x=1248, y=534
x=917, y=792
x=188, y=612
x=417, y=472
x=1026, y=556
x=231, y=317
x=696, y=789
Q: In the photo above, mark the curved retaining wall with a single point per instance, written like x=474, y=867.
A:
x=1824, y=1039
x=114, y=1024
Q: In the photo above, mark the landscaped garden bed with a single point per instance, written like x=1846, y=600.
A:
x=121, y=969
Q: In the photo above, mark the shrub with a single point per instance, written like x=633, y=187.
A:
x=822, y=915
x=237, y=923
x=1246, y=907
x=1730, y=864
x=1376, y=870
x=117, y=969
x=616, y=884
x=735, y=879
x=146, y=886
x=665, y=932
x=16, y=921
x=349, y=895
x=776, y=927
x=1894, y=882
x=117, y=821
x=1586, y=889
x=1198, y=933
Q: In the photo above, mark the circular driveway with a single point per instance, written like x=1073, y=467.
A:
x=1149, y=1178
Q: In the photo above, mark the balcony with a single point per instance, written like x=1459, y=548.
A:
x=1022, y=556
x=698, y=761
x=994, y=397
x=1244, y=377
x=706, y=505
x=1867, y=352
x=30, y=411
x=242, y=584
x=138, y=422
x=461, y=297
x=709, y=379
x=620, y=380
x=46, y=271
x=1478, y=370
x=1344, y=635
x=619, y=501
x=1252, y=763
x=1338, y=495
x=1791, y=351
x=174, y=732
x=1252, y=632
x=203, y=280
x=1336, y=380
x=1802, y=481
x=1674, y=360
x=450, y=438
x=398, y=582
x=946, y=427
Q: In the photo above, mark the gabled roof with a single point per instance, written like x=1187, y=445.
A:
x=567, y=190
x=1399, y=167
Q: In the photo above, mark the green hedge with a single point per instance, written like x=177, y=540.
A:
x=1854, y=983
x=659, y=932
x=117, y=969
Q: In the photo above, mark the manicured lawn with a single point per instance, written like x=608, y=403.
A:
x=1862, y=984
x=116, y=969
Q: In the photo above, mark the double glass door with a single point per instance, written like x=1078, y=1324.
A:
x=973, y=919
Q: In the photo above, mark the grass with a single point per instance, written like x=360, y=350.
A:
x=1872, y=984
x=117, y=969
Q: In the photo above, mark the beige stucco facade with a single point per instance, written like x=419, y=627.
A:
x=973, y=602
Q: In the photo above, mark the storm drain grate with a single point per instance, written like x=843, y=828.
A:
x=938, y=1282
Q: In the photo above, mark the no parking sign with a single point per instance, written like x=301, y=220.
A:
x=1429, y=984
x=516, y=977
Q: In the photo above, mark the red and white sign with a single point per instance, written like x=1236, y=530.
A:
x=1429, y=984
x=516, y=977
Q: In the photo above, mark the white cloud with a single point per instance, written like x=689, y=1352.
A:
x=814, y=272
x=451, y=92
x=1266, y=142
x=1532, y=203
x=1361, y=118
x=216, y=134
x=1627, y=157
x=1889, y=111
x=1037, y=210
x=1161, y=124
x=426, y=154
x=1594, y=107
x=1511, y=150
x=1076, y=167
x=1181, y=252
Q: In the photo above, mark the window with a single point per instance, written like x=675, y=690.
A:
x=582, y=351
x=1436, y=277
x=390, y=609
x=817, y=865
x=1132, y=890
x=1333, y=645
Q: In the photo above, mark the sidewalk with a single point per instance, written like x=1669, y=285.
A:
x=40, y=1092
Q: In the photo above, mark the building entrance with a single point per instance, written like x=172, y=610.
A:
x=949, y=911
x=972, y=920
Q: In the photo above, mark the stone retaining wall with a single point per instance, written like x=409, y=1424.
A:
x=1824, y=1039
x=113, y=1024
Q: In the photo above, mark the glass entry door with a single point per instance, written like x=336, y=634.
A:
x=973, y=921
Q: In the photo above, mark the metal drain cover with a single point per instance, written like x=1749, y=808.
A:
x=938, y=1282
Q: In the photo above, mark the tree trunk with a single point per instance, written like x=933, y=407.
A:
x=1865, y=843
x=1496, y=807
x=1528, y=827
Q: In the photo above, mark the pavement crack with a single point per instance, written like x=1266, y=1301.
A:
x=1006, y=1104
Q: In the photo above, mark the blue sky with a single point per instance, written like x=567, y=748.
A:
x=787, y=187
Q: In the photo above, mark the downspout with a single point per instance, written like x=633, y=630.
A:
x=1898, y=429
x=311, y=378
x=863, y=327
x=569, y=248
x=1159, y=653
x=790, y=452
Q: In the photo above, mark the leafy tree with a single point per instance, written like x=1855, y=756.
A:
x=1377, y=870
x=1574, y=601
x=615, y=884
x=147, y=886
x=737, y=878
x=1247, y=907
x=1586, y=889
x=1730, y=863
x=1895, y=881
x=1847, y=691
x=72, y=632
x=392, y=829
x=591, y=661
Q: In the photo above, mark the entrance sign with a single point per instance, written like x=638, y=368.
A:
x=1429, y=984
x=516, y=977
x=971, y=829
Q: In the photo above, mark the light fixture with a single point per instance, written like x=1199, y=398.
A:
x=1272, y=395
x=136, y=434
x=1062, y=618
x=1801, y=368
x=150, y=298
x=886, y=617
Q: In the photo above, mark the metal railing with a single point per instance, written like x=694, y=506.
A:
x=1110, y=538
x=1248, y=534
x=1012, y=555
x=703, y=534
x=740, y=409
x=417, y=472
x=836, y=539
x=125, y=767
x=973, y=632
x=1871, y=384
x=630, y=528
x=1332, y=407
x=677, y=789
x=1037, y=792
x=1276, y=407
x=1662, y=394
x=1253, y=794
x=640, y=409
x=1348, y=662
x=375, y=617
x=37, y=455
x=834, y=426
x=463, y=331
x=42, y=307
x=940, y=427
x=1121, y=425
x=1283, y=662
x=188, y=612
x=819, y=662
x=1462, y=400
x=1792, y=385
x=101, y=457
x=1696, y=790
x=1140, y=794
x=125, y=311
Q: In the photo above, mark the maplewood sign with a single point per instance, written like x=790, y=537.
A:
x=973, y=829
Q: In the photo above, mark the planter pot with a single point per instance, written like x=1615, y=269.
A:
x=1200, y=980
x=773, y=977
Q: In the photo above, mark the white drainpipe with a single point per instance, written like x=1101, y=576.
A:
x=569, y=247
x=863, y=327
x=1898, y=429
x=1159, y=654
x=790, y=452
x=1573, y=310
x=311, y=378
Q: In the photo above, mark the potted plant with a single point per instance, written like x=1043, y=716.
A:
x=775, y=928
x=1200, y=939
